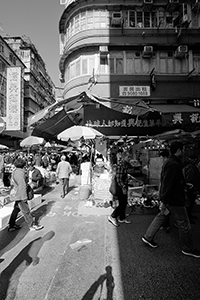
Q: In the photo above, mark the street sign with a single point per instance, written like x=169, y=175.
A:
x=2, y=125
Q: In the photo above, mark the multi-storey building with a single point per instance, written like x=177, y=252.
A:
x=39, y=90
x=11, y=76
x=135, y=50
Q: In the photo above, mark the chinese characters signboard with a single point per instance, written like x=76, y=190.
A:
x=181, y=119
x=13, y=110
x=112, y=122
x=134, y=91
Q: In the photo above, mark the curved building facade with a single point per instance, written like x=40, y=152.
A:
x=142, y=50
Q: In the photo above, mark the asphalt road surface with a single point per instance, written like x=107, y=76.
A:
x=86, y=258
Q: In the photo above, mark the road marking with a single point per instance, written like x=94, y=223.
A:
x=51, y=214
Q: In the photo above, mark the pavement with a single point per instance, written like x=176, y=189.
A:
x=84, y=257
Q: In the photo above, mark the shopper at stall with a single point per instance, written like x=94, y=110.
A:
x=36, y=179
x=19, y=182
x=172, y=196
x=119, y=214
x=63, y=172
x=192, y=177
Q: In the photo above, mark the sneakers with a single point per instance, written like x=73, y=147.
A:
x=14, y=227
x=113, y=221
x=150, y=243
x=193, y=253
x=126, y=221
x=36, y=227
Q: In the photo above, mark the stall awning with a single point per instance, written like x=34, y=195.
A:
x=175, y=108
x=53, y=126
x=108, y=116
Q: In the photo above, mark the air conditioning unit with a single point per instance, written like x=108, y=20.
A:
x=148, y=1
x=185, y=18
x=173, y=1
x=103, y=50
x=116, y=19
x=181, y=51
x=63, y=2
x=147, y=51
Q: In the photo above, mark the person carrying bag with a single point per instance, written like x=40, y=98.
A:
x=19, y=195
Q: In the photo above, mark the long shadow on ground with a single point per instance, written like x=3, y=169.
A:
x=10, y=276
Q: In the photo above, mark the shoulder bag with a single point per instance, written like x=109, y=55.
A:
x=114, y=187
x=30, y=192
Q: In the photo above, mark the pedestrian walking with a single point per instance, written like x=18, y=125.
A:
x=172, y=197
x=19, y=182
x=192, y=177
x=63, y=172
x=119, y=214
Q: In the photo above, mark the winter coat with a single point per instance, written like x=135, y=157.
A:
x=172, y=188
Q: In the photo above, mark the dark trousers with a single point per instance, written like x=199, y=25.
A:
x=120, y=210
x=190, y=203
x=14, y=214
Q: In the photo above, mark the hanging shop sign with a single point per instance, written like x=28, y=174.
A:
x=185, y=118
x=134, y=91
x=14, y=98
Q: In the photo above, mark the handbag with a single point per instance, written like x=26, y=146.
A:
x=114, y=187
x=30, y=192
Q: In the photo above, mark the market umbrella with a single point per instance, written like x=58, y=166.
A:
x=77, y=132
x=47, y=145
x=172, y=135
x=3, y=147
x=31, y=140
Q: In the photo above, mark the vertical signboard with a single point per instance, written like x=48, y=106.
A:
x=13, y=104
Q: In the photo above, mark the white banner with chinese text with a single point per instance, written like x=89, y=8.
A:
x=13, y=105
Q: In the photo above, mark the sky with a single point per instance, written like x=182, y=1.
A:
x=38, y=20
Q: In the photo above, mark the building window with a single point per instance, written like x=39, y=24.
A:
x=84, y=66
x=90, y=19
x=83, y=20
x=14, y=60
x=96, y=18
x=197, y=63
x=132, y=19
x=78, y=68
x=77, y=24
x=103, y=65
x=1, y=46
x=119, y=65
x=104, y=19
x=11, y=57
x=2, y=66
x=137, y=18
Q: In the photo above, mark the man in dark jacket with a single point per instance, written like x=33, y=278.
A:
x=172, y=197
x=192, y=176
